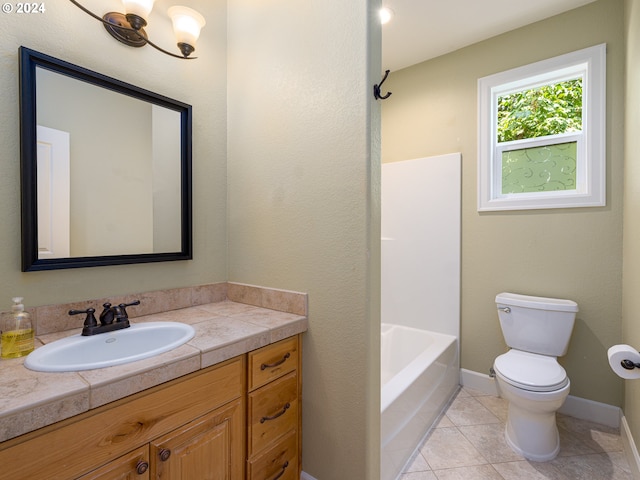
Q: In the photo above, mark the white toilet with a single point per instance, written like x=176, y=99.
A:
x=529, y=377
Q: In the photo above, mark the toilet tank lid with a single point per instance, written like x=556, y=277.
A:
x=542, y=303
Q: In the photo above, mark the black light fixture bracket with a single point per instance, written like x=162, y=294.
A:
x=128, y=29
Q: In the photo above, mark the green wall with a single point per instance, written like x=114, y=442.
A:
x=631, y=269
x=65, y=32
x=304, y=204
x=564, y=253
x=286, y=183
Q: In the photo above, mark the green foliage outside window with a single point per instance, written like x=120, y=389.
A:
x=547, y=110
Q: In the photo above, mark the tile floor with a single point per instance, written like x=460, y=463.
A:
x=468, y=444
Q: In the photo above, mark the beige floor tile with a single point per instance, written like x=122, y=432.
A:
x=524, y=470
x=496, y=405
x=478, y=472
x=591, y=467
x=419, y=464
x=448, y=448
x=473, y=393
x=468, y=411
x=418, y=476
x=468, y=443
x=600, y=438
x=489, y=441
x=444, y=422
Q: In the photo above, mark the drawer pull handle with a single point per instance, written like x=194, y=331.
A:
x=165, y=453
x=264, y=366
x=273, y=417
x=284, y=467
x=142, y=467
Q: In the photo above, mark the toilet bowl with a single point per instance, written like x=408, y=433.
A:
x=533, y=398
x=529, y=377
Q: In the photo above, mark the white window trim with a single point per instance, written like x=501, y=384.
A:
x=591, y=179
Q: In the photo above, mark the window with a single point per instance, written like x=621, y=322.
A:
x=542, y=134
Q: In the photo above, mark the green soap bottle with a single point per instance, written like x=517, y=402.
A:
x=17, y=333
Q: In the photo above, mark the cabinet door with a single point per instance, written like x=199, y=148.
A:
x=208, y=448
x=132, y=466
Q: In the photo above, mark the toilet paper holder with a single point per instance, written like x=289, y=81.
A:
x=629, y=365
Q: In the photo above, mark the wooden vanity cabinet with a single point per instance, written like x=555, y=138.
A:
x=178, y=429
x=202, y=449
x=132, y=466
x=235, y=419
x=273, y=411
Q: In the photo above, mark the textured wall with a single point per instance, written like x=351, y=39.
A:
x=631, y=270
x=303, y=183
x=66, y=32
x=304, y=204
x=565, y=253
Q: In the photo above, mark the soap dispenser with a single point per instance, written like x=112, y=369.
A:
x=17, y=333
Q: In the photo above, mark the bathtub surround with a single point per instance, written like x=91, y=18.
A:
x=421, y=243
x=420, y=301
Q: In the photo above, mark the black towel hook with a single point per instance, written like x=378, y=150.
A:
x=376, y=88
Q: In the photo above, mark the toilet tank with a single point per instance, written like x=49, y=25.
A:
x=536, y=324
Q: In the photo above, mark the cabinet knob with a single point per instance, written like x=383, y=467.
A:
x=142, y=467
x=165, y=453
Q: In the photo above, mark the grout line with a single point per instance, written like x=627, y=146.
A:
x=471, y=394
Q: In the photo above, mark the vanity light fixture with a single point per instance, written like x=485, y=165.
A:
x=128, y=27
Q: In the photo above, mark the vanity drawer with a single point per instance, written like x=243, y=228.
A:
x=273, y=411
x=273, y=361
x=279, y=462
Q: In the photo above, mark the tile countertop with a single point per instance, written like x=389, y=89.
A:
x=30, y=400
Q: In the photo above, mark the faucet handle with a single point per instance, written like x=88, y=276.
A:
x=123, y=312
x=90, y=320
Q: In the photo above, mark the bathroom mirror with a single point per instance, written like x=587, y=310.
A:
x=105, y=169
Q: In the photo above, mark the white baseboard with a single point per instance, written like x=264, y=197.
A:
x=306, y=476
x=630, y=450
x=589, y=410
x=573, y=406
x=478, y=381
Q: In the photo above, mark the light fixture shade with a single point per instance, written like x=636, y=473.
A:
x=141, y=8
x=187, y=24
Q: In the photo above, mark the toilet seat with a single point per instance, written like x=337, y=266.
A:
x=530, y=371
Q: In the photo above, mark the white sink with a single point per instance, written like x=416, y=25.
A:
x=139, y=341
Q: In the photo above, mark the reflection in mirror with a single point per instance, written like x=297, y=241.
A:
x=106, y=169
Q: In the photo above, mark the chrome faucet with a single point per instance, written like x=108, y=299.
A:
x=113, y=317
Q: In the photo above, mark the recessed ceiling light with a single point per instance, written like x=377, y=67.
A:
x=386, y=14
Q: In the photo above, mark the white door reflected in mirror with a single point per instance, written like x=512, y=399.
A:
x=53, y=193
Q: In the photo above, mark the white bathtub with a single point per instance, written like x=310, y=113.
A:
x=419, y=374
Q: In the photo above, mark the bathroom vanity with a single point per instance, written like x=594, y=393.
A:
x=233, y=419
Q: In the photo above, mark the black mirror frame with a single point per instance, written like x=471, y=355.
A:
x=29, y=60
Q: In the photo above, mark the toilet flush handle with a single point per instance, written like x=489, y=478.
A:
x=504, y=309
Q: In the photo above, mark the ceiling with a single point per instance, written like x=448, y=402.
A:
x=424, y=29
